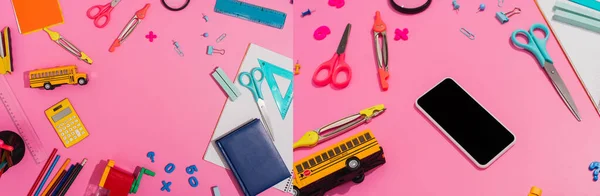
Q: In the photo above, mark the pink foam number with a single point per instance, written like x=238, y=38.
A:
x=401, y=34
x=337, y=3
x=321, y=32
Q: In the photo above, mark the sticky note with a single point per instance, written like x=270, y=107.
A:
x=34, y=15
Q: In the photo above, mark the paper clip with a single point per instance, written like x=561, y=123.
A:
x=232, y=92
x=177, y=48
x=65, y=44
x=503, y=17
x=221, y=37
x=500, y=2
x=467, y=33
x=210, y=50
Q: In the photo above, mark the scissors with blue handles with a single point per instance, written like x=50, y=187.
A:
x=537, y=47
x=254, y=83
x=103, y=12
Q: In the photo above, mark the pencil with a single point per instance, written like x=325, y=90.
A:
x=56, y=176
x=70, y=180
x=39, y=189
x=60, y=177
x=37, y=181
x=63, y=179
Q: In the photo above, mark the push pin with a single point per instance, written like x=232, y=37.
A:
x=177, y=48
x=205, y=35
x=481, y=8
x=503, y=17
x=210, y=50
x=455, y=5
x=205, y=17
x=307, y=12
x=297, y=68
x=151, y=156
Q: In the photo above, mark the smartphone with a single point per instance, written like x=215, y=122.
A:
x=476, y=132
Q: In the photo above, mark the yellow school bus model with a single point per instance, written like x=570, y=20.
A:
x=56, y=76
x=345, y=161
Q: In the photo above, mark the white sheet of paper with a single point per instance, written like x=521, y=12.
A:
x=244, y=108
x=581, y=47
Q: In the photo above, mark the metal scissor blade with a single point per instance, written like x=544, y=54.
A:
x=114, y=3
x=559, y=85
x=262, y=108
x=342, y=46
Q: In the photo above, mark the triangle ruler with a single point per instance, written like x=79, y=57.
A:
x=283, y=103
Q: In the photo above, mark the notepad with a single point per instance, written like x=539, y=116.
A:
x=253, y=158
x=34, y=15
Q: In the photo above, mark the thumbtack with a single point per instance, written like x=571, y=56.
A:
x=205, y=17
x=503, y=17
x=455, y=5
x=205, y=35
x=481, y=8
x=177, y=48
x=151, y=156
x=210, y=50
x=297, y=68
x=307, y=12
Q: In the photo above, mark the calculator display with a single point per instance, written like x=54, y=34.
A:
x=61, y=114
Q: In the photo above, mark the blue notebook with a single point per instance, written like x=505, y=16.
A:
x=253, y=158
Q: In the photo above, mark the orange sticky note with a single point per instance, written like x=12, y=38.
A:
x=33, y=15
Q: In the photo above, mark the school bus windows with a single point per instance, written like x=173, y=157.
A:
x=361, y=139
x=337, y=150
x=318, y=159
x=349, y=144
x=305, y=165
x=325, y=157
x=299, y=168
x=343, y=146
x=312, y=162
x=330, y=152
x=368, y=136
x=355, y=142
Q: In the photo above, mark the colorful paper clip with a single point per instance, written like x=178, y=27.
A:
x=467, y=33
x=6, y=64
x=221, y=37
x=131, y=25
x=64, y=43
x=503, y=17
x=210, y=50
x=232, y=92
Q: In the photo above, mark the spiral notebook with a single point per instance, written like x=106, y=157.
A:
x=243, y=108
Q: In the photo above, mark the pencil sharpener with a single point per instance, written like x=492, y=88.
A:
x=501, y=17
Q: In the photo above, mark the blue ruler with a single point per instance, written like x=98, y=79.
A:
x=250, y=12
x=283, y=103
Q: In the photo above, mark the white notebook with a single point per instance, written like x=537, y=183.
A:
x=581, y=47
x=244, y=108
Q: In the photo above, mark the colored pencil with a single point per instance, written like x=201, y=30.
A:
x=57, y=175
x=70, y=181
x=60, y=177
x=63, y=179
x=39, y=189
x=37, y=181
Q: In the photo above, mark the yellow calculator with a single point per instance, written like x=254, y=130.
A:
x=66, y=122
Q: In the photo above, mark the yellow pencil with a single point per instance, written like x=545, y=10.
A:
x=64, y=166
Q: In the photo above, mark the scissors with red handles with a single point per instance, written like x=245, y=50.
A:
x=103, y=12
x=335, y=65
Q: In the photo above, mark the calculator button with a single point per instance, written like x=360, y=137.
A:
x=78, y=133
x=70, y=139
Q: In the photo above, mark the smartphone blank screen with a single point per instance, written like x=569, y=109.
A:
x=466, y=122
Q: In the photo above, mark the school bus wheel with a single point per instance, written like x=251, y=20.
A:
x=48, y=86
x=296, y=191
x=358, y=179
x=82, y=81
x=352, y=164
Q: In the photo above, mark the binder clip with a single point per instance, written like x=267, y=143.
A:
x=6, y=64
x=210, y=50
x=503, y=17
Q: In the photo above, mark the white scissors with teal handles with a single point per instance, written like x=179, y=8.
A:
x=537, y=47
x=254, y=85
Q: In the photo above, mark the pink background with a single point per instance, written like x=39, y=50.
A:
x=552, y=149
x=144, y=96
